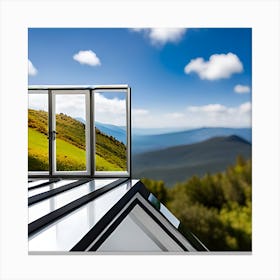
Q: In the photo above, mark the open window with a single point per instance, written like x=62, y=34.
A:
x=70, y=132
x=79, y=131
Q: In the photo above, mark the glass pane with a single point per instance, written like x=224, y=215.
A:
x=110, y=131
x=49, y=187
x=38, y=143
x=70, y=123
x=63, y=234
x=37, y=183
x=55, y=202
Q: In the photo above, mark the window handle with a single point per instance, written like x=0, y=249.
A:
x=52, y=135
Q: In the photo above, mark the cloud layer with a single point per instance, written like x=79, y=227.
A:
x=161, y=36
x=110, y=110
x=219, y=66
x=242, y=89
x=87, y=57
x=107, y=110
x=32, y=71
x=212, y=115
x=113, y=111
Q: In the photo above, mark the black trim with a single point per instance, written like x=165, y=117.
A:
x=41, y=196
x=43, y=184
x=67, y=176
x=59, y=88
x=110, y=88
x=83, y=244
x=66, y=209
x=124, y=87
x=194, y=241
x=122, y=217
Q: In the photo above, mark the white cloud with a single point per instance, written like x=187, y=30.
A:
x=242, y=89
x=220, y=115
x=110, y=110
x=212, y=115
x=73, y=105
x=38, y=102
x=210, y=108
x=245, y=107
x=113, y=111
x=107, y=110
x=219, y=66
x=139, y=112
x=175, y=115
x=161, y=36
x=32, y=71
x=87, y=57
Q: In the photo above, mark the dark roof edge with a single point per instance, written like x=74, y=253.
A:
x=87, y=240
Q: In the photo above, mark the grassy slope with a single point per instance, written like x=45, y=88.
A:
x=70, y=145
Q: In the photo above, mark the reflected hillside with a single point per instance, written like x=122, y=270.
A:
x=110, y=153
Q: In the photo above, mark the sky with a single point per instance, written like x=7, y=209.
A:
x=180, y=77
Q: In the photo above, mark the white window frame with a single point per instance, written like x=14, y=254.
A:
x=41, y=91
x=126, y=173
x=54, y=93
x=52, y=90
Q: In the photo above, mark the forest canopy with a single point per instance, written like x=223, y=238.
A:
x=217, y=208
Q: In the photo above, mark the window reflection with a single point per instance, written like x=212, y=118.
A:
x=110, y=131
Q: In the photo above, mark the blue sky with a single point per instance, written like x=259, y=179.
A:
x=180, y=78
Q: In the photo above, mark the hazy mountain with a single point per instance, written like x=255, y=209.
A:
x=118, y=132
x=80, y=120
x=144, y=143
x=179, y=163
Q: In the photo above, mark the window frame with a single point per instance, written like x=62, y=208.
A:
x=90, y=133
x=118, y=174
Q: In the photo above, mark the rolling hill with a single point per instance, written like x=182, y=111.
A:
x=145, y=143
x=70, y=145
x=179, y=163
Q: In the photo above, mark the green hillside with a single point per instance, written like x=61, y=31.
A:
x=70, y=145
x=179, y=163
x=217, y=208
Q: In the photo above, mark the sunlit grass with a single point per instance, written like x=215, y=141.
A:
x=69, y=157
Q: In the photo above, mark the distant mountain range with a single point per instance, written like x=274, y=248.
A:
x=179, y=163
x=118, y=132
x=144, y=143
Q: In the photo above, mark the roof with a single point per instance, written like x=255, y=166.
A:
x=102, y=215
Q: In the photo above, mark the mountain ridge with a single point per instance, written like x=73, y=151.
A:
x=144, y=143
x=175, y=164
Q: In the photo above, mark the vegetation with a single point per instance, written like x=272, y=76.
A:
x=216, y=208
x=70, y=145
x=107, y=147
